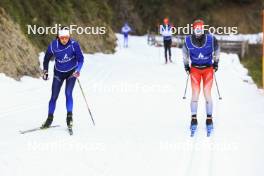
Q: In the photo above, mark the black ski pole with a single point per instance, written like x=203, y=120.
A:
x=184, y=96
x=86, y=101
x=220, y=98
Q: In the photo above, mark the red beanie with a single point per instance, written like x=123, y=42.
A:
x=198, y=24
x=166, y=21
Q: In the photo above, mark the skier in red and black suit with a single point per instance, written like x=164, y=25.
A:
x=203, y=52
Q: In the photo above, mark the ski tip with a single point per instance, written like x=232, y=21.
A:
x=209, y=130
x=209, y=134
x=193, y=132
x=70, y=131
x=37, y=129
x=55, y=126
x=193, y=127
x=21, y=132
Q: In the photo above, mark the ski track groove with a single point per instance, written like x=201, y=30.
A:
x=193, y=152
x=211, y=140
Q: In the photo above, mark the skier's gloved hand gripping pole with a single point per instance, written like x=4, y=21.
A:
x=45, y=75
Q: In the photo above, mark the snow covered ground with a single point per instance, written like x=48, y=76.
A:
x=142, y=122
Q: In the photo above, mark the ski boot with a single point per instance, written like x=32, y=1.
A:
x=69, y=122
x=48, y=122
x=193, y=126
x=166, y=60
x=209, y=125
x=170, y=59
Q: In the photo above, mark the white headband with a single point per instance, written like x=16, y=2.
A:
x=64, y=32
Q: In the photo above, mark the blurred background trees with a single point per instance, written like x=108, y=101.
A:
x=142, y=16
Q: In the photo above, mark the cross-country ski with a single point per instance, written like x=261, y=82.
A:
x=37, y=129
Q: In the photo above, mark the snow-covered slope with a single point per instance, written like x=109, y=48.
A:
x=142, y=122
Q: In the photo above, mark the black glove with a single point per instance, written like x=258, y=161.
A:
x=45, y=75
x=187, y=69
x=215, y=66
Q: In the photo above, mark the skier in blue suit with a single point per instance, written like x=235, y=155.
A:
x=68, y=63
x=125, y=31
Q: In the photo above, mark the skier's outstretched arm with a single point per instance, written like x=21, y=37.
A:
x=79, y=56
x=216, y=54
x=47, y=57
x=216, y=50
x=161, y=30
x=186, y=56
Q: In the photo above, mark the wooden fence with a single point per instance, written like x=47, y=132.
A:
x=228, y=46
